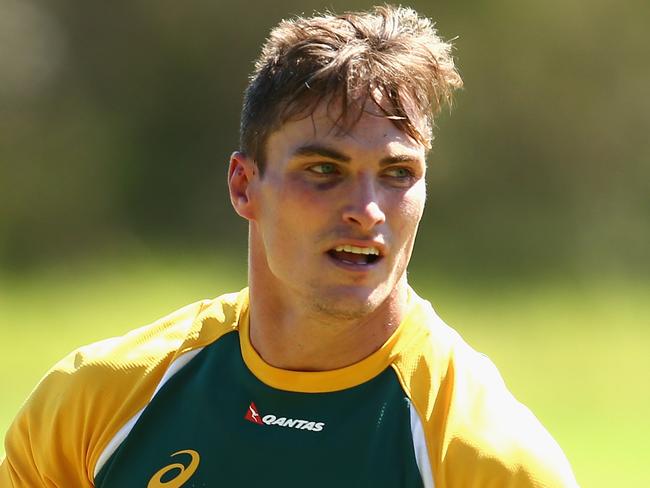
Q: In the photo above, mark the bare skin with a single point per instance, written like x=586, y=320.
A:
x=317, y=305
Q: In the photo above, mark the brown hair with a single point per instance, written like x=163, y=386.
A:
x=348, y=59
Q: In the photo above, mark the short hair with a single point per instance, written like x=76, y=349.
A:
x=349, y=59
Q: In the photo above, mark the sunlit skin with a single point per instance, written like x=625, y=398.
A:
x=311, y=310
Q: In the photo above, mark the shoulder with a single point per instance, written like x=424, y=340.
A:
x=489, y=429
x=87, y=397
x=477, y=433
x=190, y=327
x=142, y=351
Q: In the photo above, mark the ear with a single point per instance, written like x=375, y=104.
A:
x=241, y=173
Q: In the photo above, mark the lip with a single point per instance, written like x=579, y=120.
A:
x=357, y=268
x=380, y=246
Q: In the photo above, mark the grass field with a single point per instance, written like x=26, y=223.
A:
x=577, y=354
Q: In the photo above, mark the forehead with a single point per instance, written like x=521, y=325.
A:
x=372, y=132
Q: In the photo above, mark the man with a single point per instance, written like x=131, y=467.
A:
x=328, y=370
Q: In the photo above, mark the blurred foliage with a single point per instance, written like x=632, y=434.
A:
x=117, y=120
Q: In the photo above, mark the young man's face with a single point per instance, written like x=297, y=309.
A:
x=334, y=217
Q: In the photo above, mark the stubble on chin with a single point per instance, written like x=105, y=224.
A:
x=345, y=306
x=342, y=311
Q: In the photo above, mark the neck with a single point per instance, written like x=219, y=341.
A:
x=289, y=333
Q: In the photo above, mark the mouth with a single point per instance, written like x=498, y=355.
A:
x=357, y=256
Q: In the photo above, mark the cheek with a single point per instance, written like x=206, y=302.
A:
x=409, y=212
x=310, y=195
x=288, y=211
x=301, y=196
x=282, y=199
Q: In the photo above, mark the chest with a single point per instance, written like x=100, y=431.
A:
x=215, y=424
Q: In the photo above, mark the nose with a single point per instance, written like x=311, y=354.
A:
x=363, y=208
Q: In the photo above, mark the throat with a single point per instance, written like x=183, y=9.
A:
x=315, y=346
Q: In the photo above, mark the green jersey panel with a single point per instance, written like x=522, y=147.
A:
x=215, y=424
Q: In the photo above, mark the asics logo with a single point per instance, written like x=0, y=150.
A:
x=253, y=415
x=183, y=474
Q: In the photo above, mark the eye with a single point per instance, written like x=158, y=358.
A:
x=399, y=172
x=323, y=169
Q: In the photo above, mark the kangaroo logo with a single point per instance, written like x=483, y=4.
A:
x=253, y=415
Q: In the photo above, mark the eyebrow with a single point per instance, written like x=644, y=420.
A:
x=319, y=150
x=311, y=150
x=399, y=158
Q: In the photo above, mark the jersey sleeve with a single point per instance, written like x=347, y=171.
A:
x=477, y=435
x=491, y=439
x=76, y=409
x=45, y=445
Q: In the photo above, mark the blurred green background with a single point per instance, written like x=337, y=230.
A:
x=117, y=120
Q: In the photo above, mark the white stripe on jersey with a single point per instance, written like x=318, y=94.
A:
x=420, y=447
x=115, y=442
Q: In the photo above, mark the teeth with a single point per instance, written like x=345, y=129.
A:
x=358, y=250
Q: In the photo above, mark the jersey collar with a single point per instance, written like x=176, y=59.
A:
x=332, y=380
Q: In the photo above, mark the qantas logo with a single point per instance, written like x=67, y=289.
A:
x=253, y=415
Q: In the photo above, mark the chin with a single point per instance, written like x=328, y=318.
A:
x=348, y=302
